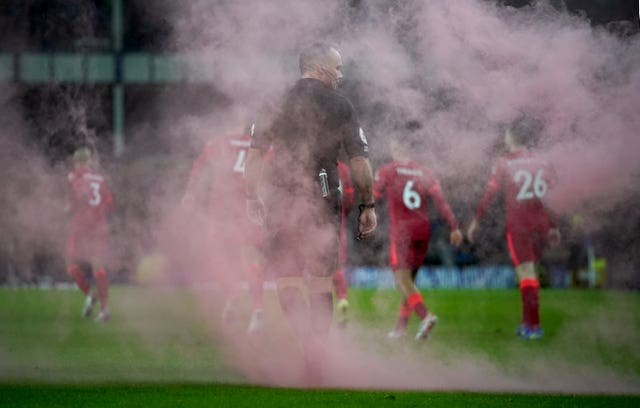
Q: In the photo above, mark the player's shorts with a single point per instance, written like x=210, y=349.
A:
x=406, y=253
x=526, y=245
x=91, y=247
x=296, y=242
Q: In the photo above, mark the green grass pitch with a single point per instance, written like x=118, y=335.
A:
x=159, y=351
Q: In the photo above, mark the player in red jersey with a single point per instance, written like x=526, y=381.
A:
x=525, y=178
x=406, y=186
x=339, y=279
x=90, y=202
x=234, y=241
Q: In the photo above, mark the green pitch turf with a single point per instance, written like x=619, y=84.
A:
x=160, y=349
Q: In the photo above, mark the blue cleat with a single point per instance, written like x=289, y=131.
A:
x=531, y=334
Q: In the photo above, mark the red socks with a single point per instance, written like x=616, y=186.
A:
x=530, y=293
x=102, y=284
x=404, y=313
x=415, y=303
x=78, y=277
x=340, y=283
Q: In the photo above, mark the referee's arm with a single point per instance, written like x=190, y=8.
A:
x=363, y=180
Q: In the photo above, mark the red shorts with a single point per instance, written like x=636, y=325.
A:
x=406, y=253
x=526, y=245
x=87, y=247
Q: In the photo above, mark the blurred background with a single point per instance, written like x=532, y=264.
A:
x=101, y=72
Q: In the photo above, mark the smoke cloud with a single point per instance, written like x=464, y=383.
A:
x=462, y=67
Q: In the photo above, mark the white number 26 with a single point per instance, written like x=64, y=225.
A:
x=531, y=186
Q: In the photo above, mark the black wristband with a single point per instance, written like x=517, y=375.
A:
x=363, y=206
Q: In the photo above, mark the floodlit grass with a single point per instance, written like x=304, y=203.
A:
x=160, y=340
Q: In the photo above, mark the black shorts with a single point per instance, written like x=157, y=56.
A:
x=299, y=237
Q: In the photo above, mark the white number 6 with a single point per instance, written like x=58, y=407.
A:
x=410, y=197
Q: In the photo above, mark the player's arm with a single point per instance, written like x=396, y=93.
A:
x=553, y=235
x=107, y=197
x=455, y=236
x=254, y=166
x=493, y=186
x=195, y=181
x=69, y=205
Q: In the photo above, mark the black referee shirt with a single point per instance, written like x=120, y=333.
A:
x=307, y=132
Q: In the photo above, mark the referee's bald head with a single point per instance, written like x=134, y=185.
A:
x=314, y=55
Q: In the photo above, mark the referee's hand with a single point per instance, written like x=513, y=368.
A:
x=367, y=223
x=255, y=210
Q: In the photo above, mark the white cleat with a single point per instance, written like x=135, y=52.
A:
x=343, y=308
x=89, y=301
x=426, y=325
x=103, y=316
x=397, y=334
x=256, y=322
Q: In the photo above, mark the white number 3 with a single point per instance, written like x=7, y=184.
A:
x=539, y=185
x=96, y=198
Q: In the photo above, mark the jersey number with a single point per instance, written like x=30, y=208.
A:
x=96, y=198
x=240, y=160
x=410, y=197
x=531, y=186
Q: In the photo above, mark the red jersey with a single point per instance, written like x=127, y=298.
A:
x=526, y=180
x=406, y=187
x=91, y=201
x=218, y=173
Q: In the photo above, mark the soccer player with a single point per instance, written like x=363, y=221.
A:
x=406, y=186
x=90, y=201
x=302, y=199
x=339, y=278
x=217, y=180
x=525, y=178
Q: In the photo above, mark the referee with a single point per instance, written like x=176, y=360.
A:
x=301, y=207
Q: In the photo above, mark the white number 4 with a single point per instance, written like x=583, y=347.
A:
x=538, y=182
x=410, y=197
x=240, y=160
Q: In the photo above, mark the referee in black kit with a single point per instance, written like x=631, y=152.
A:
x=301, y=207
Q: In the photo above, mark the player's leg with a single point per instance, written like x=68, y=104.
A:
x=523, y=255
x=321, y=256
x=400, y=330
x=78, y=276
x=410, y=258
x=102, y=287
x=255, y=279
x=414, y=301
x=339, y=278
x=342, y=305
x=285, y=262
x=97, y=248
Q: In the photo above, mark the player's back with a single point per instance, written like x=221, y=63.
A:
x=91, y=199
x=526, y=178
x=406, y=186
x=227, y=156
